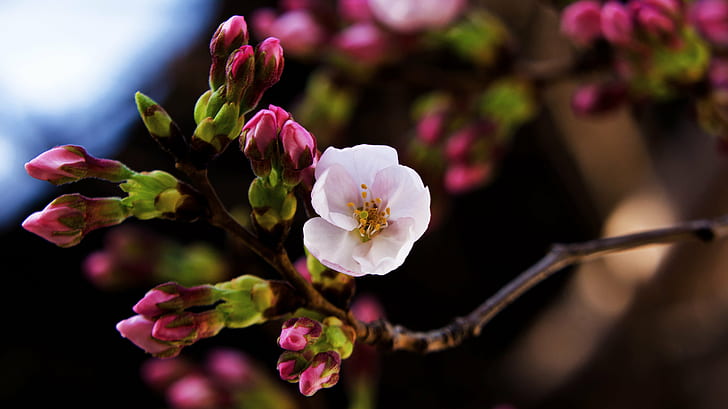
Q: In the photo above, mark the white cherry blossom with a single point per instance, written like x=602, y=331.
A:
x=371, y=208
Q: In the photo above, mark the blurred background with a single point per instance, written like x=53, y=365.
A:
x=643, y=329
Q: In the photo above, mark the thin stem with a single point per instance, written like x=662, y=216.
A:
x=398, y=337
x=219, y=217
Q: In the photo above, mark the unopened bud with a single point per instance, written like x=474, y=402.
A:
x=269, y=64
x=323, y=372
x=171, y=297
x=229, y=36
x=69, y=163
x=299, y=148
x=240, y=72
x=161, y=126
x=138, y=329
x=158, y=194
x=67, y=219
x=299, y=332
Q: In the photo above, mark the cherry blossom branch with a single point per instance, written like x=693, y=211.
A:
x=398, y=337
x=219, y=217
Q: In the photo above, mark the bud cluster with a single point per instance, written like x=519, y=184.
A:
x=164, y=324
x=314, y=351
x=280, y=151
x=659, y=47
x=67, y=219
x=239, y=76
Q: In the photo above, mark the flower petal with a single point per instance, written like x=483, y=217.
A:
x=402, y=190
x=387, y=250
x=333, y=189
x=332, y=246
x=361, y=161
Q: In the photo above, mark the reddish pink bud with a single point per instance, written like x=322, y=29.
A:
x=711, y=19
x=193, y=392
x=598, y=98
x=230, y=367
x=298, y=332
x=229, y=35
x=616, y=23
x=240, y=72
x=138, y=329
x=355, y=10
x=299, y=145
x=269, y=64
x=461, y=178
x=259, y=135
x=70, y=163
x=363, y=42
x=147, y=306
x=323, y=372
x=188, y=327
x=287, y=364
x=580, y=22
x=67, y=219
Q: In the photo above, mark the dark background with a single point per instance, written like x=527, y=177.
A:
x=60, y=347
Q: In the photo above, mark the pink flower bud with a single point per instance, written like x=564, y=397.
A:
x=230, y=35
x=269, y=60
x=240, y=72
x=138, y=329
x=363, y=42
x=580, y=22
x=259, y=135
x=147, y=306
x=298, y=332
x=598, y=98
x=355, y=10
x=193, y=392
x=711, y=19
x=70, y=163
x=616, y=23
x=461, y=178
x=269, y=64
x=287, y=364
x=188, y=327
x=323, y=372
x=299, y=146
x=67, y=219
x=298, y=31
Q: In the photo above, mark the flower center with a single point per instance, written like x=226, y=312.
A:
x=371, y=217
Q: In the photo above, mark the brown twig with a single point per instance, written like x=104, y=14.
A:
x=398, y=337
